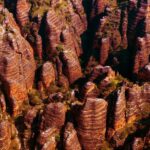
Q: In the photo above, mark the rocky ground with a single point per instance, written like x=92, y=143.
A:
x=74, y=75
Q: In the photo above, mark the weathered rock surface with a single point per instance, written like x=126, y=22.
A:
x=116, y=117
x=53, y=116
x=138, y=144
x=144, y=73
x=142, y=55
x=70, y=138
x=16, y=60
x=52, y=120
x=5, y=135
x=22, y=14
x=104, y=50
x=90, y=90
x=2, y=102
x=72, y=67
x=92, y=123
x=47, y=139
x=133, y=97
x=28, y=133
x=48, y=74
x=83, y=63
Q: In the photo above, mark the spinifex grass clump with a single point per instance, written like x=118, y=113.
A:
x=60, y=48
x=38, y=8
x=111, y=24
x=60, y=6
x=2, y=17
x=34, y=97
x=62, y=10
x=114, y=85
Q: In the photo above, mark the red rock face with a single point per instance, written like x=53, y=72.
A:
x=38, y=45
x=78, y=95
x=45, y=142
x=70, y=138
x=53, y=30
x=23, y=8
x=53, y=116
x=145, y=102
x=133, y=96
x=138, y=24
x=117, y=119
x=139, y=16
x=90, y=90
x=2, y=103
x=110, y=31
x=62, y=37
x=142, y=55
x=147, y=139
x=99, y=71
x=16, y=62
x=99, y=7
x=137, y=144
x=137, y=102
x=104, y=50
x=48, y=74
x=29, y=119
x=72, y=68
x=72, y=14
x=92, y=123
x=5, y=135
x=124, y=30
x=52, y=120
x=144, y=73
x=69, y=41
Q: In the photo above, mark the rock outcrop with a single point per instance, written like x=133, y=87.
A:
x=92, y=123
x=16, y=60
x=104, y=50
x=48, y=74
x=116, y=117
x=22, y=14
x=5, y=134
x=72, y=67
x=133, y=97
x=60, y=29
x=52, y=120
x=70, y=138
x=90, y=90
x=144, y=73
x=142, y=55
x=138, y=144
x=74, y=74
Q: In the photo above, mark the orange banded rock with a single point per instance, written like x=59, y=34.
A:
x=72, y=67
x=91, y=123
x=17, y=65
x=48, y=74
x=70, y=138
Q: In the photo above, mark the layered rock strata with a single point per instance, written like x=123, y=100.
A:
x=79, y=97
x=52, y=120
x=70, y=138
x=16, y=60
x=117, y=118
x=92, y=123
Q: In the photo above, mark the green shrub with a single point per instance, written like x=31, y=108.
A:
x=60, y=48
x=34, y=97
x=2, y=17
x=39, y=8
x=57, y=138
